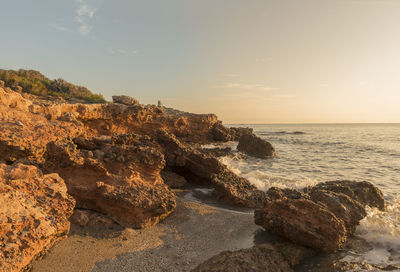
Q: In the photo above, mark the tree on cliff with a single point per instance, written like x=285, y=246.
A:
x=34, y=82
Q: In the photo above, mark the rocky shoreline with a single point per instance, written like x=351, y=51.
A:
x=117, y=164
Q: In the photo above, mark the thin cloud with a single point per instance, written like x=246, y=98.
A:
x=113, y=51
x=60, y=28
x=83, y=16
x=250, y=87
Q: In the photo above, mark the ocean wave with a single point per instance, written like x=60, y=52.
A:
x=382, y=231
x=261, y=179
x=230, y=144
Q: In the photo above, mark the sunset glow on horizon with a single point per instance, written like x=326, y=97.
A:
x=246, y=61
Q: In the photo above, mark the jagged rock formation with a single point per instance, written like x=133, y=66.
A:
x=198, y=167
x=277, y=257
x=34, y=212
x=116, y=176
x=255, y=146
x=321, y=219
x=363, y=192
x=24, y=134
x=111, y=157
x=107, y=155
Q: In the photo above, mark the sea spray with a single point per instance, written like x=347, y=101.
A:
x=381, y=229
x=261, y=179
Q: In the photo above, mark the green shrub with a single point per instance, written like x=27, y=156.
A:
x=34, y=82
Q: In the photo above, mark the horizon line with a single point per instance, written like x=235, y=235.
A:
x=319, y=123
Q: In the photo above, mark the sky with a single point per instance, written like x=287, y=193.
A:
x=248, y=61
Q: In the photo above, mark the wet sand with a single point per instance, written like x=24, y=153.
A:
x=191, y=235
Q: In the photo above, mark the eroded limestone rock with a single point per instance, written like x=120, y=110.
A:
x=34, y=212
x=322, y=217
x=120, y=180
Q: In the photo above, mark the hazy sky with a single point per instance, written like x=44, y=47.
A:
x=248, y=61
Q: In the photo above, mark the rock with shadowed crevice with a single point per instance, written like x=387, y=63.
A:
x=199, y=167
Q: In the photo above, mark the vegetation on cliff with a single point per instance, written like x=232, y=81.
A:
x=36, y=83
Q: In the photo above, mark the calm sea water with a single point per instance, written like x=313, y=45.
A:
x=310, y=153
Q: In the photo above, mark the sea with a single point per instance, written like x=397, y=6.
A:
x=307, y=154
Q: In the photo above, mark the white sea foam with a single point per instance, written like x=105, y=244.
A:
x=382, y=231
x=262, y=180
x=220, y=145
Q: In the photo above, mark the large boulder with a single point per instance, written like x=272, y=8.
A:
x=303, y=222
x=364, y=192
x=125, y=100
x=266, y=257
x=221, y=133
x=321, y=217
x=344, y=207
x=238, y=132
x=255, y=146
x=118, y=176
x=34, y=212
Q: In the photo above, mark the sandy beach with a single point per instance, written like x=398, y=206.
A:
x=191, y=235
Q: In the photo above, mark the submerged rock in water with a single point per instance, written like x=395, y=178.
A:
x=255, y=146
x=266, y=257
x=34, y=212
x=321, y=218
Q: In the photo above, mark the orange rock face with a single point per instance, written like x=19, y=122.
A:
x=110, y=159
x=23, y=134
x=115, y=176
x=34, y=212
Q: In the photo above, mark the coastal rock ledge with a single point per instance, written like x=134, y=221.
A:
x=34, y=212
